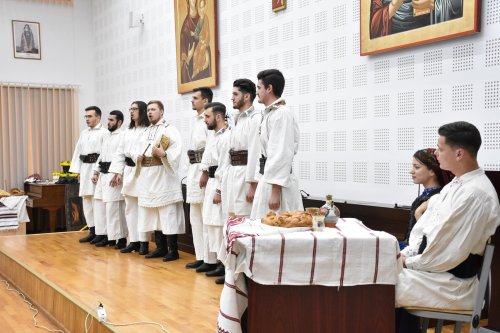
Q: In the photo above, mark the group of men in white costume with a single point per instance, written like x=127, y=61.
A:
x=157, y=154
x=123, y=168
x=446, y=245
x=86, y=152
x=109, y=205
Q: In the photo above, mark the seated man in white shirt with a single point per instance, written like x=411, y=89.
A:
x=446, y=245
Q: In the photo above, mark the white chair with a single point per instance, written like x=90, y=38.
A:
x=458, y=317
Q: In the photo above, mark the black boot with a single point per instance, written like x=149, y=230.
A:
x=98, y=239
x=194, y=264
x=173, y=253
x=133, y=246
x=206, y=268
x=219, y=271
x=144, y=248
x=89, y=237
x=103, y=242
x=112, y=243
x=122, y=242
x=161, y=246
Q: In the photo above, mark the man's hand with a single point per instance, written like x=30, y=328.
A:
x=216, y=199
x=203, y=179
x=94, y=179
x=275, y=199
x=158, y=152
x=251, y=192
x=140, y=158
x=116, y=180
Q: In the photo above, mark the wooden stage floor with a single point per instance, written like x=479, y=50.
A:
x=69, y=279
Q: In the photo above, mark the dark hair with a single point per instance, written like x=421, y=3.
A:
x=217, y=108
x=96, y=109
x=429, y=159
x=159, y=103
x=274, y=78
x=205, y=93
x=143, y=114
x=461, y=134
x=246, y=86
x=118, y=114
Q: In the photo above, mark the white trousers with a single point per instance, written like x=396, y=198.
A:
x=169, y=219
x=100, y=217
x=215, y=238
x=200, y=235
x=196, y=220
x=132, y=215
x=88, y=210
x=115, y=220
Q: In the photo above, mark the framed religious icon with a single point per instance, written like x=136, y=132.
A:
x=196, y=44
x=388, y=25
x=26, y=40
x=278, y=5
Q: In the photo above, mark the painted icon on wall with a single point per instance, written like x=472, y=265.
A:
x=278, y=5
x=196, y=44
x=26, y=40
x=388, y=25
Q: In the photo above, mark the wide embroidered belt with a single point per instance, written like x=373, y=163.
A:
x=90, y=158
x=238, y=157
x=195, y=155
x=151, y=161
x=211, y=171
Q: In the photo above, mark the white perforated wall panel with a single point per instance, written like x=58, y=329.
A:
x=361, y=118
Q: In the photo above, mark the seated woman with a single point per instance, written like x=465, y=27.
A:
x=425, y=171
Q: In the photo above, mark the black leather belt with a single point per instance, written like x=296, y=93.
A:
x=104, y=167
x=90, y=158
x=129, y=162
x=262, y=164
x=211, y=171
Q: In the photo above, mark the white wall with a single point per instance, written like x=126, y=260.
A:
x=361, y=118
x=66, y=46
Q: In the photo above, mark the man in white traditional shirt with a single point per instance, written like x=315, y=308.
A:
x=124, y=169
x=446, y=246
x=244, y=153
x=157, y=154
x=278, y=188
x=195, y=188
x=86, y=152
x=214, y=170
x=111, y=220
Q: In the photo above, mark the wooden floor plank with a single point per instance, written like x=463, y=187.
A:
x=130, y=287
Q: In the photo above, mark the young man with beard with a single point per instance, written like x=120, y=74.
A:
x=124, y=169
x=195, y=185
x=278, y=187
x=109, y=209
x=243, y=157
x=157, y=154
x=86, y=152
x=214, y=216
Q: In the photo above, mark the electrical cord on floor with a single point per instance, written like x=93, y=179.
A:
x=31, y=307
x=91, y=321
x=139, y=323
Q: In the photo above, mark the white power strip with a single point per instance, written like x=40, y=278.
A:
x=101, y=313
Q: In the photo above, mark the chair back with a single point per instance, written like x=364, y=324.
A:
x=484, y=277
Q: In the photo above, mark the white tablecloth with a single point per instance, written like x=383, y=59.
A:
x=349, y=254
x=12, y=212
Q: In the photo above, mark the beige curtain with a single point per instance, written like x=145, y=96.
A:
x=38, y=130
